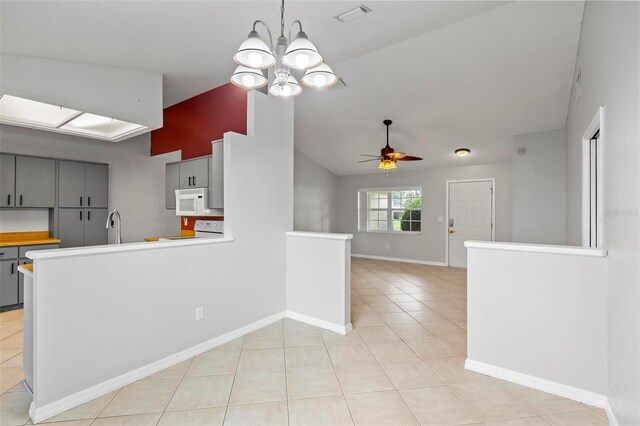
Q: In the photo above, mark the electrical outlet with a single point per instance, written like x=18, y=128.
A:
x=199, y=313
x=388, y=246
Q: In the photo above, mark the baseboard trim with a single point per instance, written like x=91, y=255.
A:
x=587, y=397
x=341, y=329
x=397, y=259
x=71, y=401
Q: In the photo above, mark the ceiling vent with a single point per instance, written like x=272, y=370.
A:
x=521, y=150
x=353, y=14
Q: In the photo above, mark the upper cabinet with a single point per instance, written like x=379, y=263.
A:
x=194, y=173
x=7, y=180
x=204, y=172
x=27, y=182
x=83, y=184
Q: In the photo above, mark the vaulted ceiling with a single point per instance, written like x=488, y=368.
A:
x=449, y=74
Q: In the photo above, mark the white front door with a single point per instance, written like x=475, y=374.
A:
x=470, y=217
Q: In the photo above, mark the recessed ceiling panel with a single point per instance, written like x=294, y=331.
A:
x=100, y=127
x=14, y=110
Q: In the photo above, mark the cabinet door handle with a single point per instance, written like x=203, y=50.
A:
x=189, y=180
x=20, y=199
x=80, y=214
x=89, y=201
x=194, y=181
x=12, y=267
x=8, y=199
x=89, y=215
x=2, y=254
x=80, y=201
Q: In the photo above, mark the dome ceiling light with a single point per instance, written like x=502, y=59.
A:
x=299, y=53
x=462, y=152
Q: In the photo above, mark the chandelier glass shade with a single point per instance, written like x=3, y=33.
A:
x=256, y=55
x=248, y=77
x=320, y=76
x=301, y=54
x=290, y=88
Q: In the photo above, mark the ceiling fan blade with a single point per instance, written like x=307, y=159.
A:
x=396, y=155
x=372, y=159
x=368, y=155
x=409, y=158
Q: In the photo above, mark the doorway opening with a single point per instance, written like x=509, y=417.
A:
x=592, y=201
x=470, y=216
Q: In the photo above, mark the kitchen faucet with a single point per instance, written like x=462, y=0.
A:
x=116, y=214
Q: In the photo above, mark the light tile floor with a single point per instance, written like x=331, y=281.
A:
x=402, y=364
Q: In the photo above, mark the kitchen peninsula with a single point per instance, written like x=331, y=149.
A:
x=202, y=292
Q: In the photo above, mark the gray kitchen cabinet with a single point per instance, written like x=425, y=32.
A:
x=194, y=173
x=96, y=184
x=8, y=282
x=71, y=227
x=171, y=183
x=83, y=184
x=7, y=180
x=82, y=227
x=35, y=182
x=216, y=177
x=95, y=231
x=200, y=169
x=21, y=281
x=70, y=184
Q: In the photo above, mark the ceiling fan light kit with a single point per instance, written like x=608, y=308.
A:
x=462, y=152
x=255, y=55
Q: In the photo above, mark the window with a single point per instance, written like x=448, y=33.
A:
x=392, y=210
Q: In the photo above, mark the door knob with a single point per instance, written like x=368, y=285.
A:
x=451, y=230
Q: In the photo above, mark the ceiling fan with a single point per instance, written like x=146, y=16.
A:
x=388, y=156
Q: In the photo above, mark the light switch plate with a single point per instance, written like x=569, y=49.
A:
x=199, y=313
x=440, y=219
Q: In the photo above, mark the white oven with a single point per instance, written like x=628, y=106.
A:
x=192, y=202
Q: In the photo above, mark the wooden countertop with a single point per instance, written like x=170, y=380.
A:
x=28, y=266
x=9, y=239
x=183, y=233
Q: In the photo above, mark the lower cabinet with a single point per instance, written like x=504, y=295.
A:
x=8, y=282
x=82, y=227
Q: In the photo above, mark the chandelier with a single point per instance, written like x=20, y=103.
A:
x=255, y=55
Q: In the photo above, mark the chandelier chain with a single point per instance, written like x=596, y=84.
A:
x=282, y=19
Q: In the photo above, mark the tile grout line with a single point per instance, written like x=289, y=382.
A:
x=344, y=396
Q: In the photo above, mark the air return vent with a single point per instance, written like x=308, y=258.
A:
x=353, y=14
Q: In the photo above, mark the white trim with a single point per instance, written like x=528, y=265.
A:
x=119, y=248
x=336, y=328
x=538, y=248
x=581, y=395
x=597, y=124
x=392, y=188
x=96, y=391
x=395, y=232
x=446, y=223
x=71, y=401
x=324, y=235
x=397, y=259
x=25, y=271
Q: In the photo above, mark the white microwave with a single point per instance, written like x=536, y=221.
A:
x=192, y=202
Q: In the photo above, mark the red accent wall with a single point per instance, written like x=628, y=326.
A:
x=191, y=125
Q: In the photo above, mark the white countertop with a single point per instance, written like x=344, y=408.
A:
x=538, y=248
x=119, y=248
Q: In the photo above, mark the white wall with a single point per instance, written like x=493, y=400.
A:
x=608, y=59
x=319, y=279
x=146, y=299
x=136, y=180
x=24, y=220
x=314, y=196
x=538, y=188
x=430, y=244
x=539, y=319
